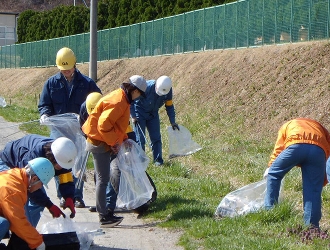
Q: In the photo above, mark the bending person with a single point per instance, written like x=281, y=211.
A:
x=105, y=129
x=305, y=143
x=15, y=184
x=144, y=112
x=60, y=152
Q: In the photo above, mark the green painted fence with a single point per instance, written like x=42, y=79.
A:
x=237, y=25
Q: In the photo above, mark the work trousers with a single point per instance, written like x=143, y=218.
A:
x=312, y=160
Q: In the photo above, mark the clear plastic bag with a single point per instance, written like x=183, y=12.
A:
x=68, y=125
x=2, y=102
x=134, y=186
x=180, y=142
x=85, y=230
x=244, y=200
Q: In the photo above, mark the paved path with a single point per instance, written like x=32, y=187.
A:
x=131, y=234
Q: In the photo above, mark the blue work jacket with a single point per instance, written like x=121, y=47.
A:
x=148, y=106
x=19, y=152
x=56, y=98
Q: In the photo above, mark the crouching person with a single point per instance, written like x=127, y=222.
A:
x=15, y=184
x=61, y=153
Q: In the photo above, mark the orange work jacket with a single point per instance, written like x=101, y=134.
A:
x=13, y=196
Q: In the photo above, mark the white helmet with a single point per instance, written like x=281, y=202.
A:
x=65, y=152
x=163, y=85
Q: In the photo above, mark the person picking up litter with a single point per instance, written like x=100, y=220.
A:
x=144, y=112
x=60, y=152
x=305, y=143
x=105, y=129
x=15, y=184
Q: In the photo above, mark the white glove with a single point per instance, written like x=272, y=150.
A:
x=43, y=118
x=266, y=173
x=41, y=247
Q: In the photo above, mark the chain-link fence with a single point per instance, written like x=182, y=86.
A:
x=240, y=24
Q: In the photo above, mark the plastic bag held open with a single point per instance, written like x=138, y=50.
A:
x=134, y=186
x=68, y=125
x=244, y=200
x=180, y=142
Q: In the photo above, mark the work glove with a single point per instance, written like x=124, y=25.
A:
x=266, y=173
x=175, y=126
x=69, y=204
x=43, y=118
x=42, y=246
x=56, y=211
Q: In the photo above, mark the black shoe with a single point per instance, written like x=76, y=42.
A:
x=62, y=202
x=79, y=203
x=110, y=220
x=92, y=209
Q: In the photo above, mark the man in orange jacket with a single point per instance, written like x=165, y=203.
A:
x=105, y=129
x=305, y=143
x=14, y=187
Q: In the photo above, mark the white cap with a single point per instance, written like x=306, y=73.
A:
x=139, y=82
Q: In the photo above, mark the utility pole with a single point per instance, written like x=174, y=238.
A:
x=93, y=41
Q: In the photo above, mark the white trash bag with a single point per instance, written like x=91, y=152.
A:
x=2, y=102
x=180, y=142
x=244, y=200
x=135, y=188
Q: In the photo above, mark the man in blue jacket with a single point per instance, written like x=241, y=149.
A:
x=144, y=112
x=64, y=93
x=60, y=152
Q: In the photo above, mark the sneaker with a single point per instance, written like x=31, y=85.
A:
x=92, y=209
x=79, y=203
x=157, y=164
x=62, y=202
x=110, y=220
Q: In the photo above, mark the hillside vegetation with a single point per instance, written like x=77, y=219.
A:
x=233, y=102
x=262, y=87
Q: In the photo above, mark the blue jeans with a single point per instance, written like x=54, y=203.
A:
x=311, y=159
x=111, y=197
x=32, y=210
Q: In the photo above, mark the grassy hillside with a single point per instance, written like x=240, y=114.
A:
x=233, y=102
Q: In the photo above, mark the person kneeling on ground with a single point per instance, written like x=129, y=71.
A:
x=15, y=184
x=60, y=152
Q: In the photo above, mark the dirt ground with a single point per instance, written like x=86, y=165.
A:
x=262, y=86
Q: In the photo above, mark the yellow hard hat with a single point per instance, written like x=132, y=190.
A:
x=92, y=100
x=65, y=59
